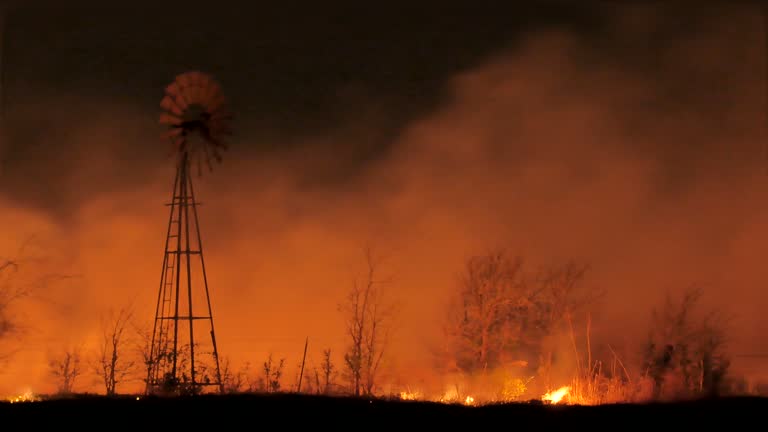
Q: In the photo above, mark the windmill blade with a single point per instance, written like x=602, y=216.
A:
x=196, y=88
x=172, y=134
x=217, y=143
x=198, y=91
x=177, y=143
x=182, y=100
x=175, y=91
x=214, y=155
x=169, y=120
x=195, y=77
x=172, y=89
x=194, y=93
x=187, y=91
x=177, y=140
x=207, y=154
x=180, y=143
x=193, y=83
x=169, y=104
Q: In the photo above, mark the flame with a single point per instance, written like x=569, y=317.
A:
x=452, y=396
x=27, y=396
x=407, y=395
x=556, y=396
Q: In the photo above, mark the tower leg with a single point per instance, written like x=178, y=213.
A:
x=169, y=370
x=207, y=292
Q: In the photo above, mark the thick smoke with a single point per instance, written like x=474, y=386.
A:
x=644, y=159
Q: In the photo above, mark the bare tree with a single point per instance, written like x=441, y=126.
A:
x=143, y=347
x=685, y=354
x=273, y=372
x=367, y=317
x=485, y=319
x=233, y=381
x=17, y=285
x=328, y=370
x=315, y=379
x=65, y=368
x=560, y=298
x=10, y=293
x=113, y=366
x=504, y=316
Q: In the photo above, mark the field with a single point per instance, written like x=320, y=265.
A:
x=319, y=413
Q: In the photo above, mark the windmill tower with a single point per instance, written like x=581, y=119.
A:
x=183, y=356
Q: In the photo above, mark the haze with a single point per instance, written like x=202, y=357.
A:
x=633, y=141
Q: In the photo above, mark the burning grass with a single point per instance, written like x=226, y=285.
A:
x=27, y=396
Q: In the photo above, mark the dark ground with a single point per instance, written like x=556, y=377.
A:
x=290, y=412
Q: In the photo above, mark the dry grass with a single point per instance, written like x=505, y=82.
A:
x=593, y=385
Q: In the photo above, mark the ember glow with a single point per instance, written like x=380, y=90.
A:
x=410, y=396
x=27, y=396
x=556, y=396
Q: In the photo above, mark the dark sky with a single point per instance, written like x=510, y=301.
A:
x=285, y=63
x=289, y=69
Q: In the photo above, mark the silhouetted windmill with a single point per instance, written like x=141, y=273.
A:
x=194, y=111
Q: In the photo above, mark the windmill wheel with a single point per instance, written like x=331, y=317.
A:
x=194, y=104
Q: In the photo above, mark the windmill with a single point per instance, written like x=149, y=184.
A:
x=180, y=361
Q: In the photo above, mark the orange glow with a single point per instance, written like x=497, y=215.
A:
x=27, y=396
x=556, y=158
x=556, y=396
x=411, y=396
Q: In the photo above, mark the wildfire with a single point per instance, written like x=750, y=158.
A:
x=556, y=396
x=452, y=397
x=411, y=396
x=27, y=396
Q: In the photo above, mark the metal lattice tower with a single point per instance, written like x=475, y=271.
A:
x=180, y=360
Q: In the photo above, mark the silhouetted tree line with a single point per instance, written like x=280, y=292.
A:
x=504, y=314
